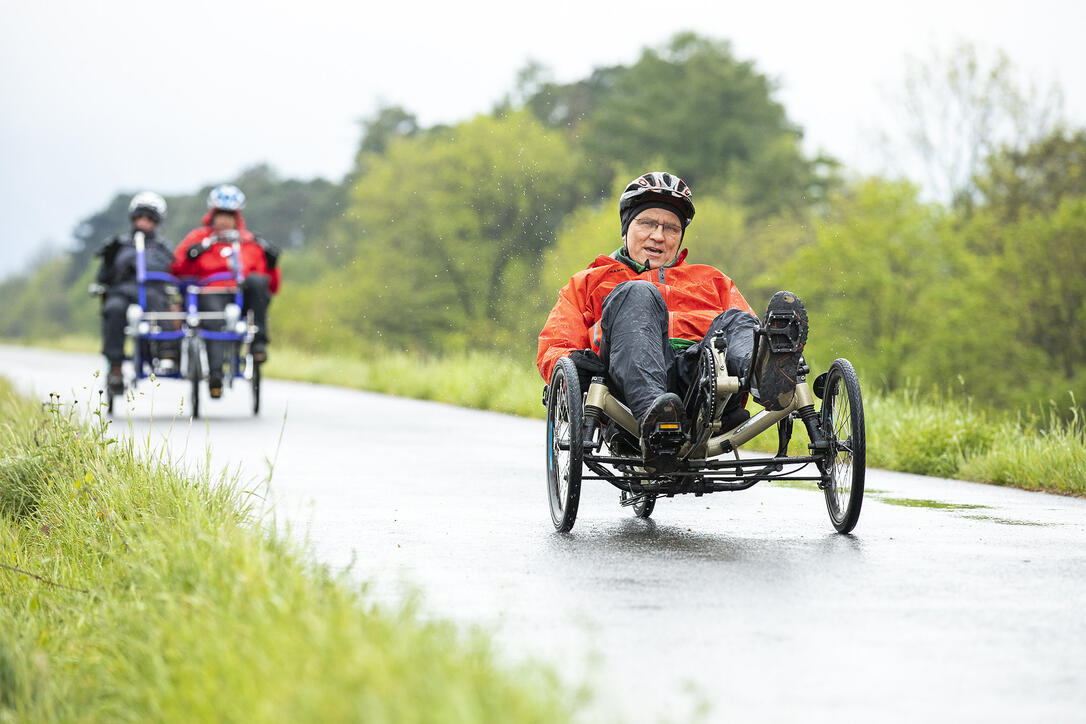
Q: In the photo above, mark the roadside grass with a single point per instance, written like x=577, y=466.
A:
x=945, y=438
x=65, y=343
x=135, y=592
x=1051, y=457
x=937, y=435
x=482, y=380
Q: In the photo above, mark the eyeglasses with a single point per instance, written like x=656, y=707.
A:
x=648, y=226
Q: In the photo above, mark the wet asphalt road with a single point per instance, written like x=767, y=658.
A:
x=951, y=601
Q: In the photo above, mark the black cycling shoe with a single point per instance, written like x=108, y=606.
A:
x=115, y=382
x=663, y=427
x=259, y=351
x=214, y=386
x=777, y=368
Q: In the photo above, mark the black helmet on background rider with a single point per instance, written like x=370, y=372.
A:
x=659, y=190
x=149, y=204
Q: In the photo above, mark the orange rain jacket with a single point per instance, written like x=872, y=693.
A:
x=694, y=293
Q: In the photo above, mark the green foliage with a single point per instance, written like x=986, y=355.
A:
x=711, y=118
x=290, y=213
x=1036, y=179
x=387, y=123
x=566, y=106
x=132, y=592
x=444, y=232
x=43, y=302
x=1044, y=269
x=870, y=279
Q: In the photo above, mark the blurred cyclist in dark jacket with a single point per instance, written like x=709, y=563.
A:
x=117, y=278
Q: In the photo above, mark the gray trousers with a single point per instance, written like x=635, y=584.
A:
x=114, y=317
x=637, y=351
x=255, y=296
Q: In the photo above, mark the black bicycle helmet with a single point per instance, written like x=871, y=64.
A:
x=656, y=187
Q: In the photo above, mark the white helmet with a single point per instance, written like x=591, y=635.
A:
x=147, y=202
x=226, y=197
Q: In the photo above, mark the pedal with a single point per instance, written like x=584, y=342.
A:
x=784, y=331
x=666, y=439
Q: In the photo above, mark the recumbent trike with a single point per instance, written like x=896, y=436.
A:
x=592, y=435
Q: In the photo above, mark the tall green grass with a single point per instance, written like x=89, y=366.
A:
x=947, y=438
x=133, y=592
x=483, y=380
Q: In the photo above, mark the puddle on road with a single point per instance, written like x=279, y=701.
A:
x=812, y=485
x=939, y=505
x=1006, y=521
x=882, y=495
x=936, y=504
x=799, y=484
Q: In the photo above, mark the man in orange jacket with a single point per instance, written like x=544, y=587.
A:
x=642, y=314
x=206, y=250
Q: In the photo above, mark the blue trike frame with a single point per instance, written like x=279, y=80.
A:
x=144, y=327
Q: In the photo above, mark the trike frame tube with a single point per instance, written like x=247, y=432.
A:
x=599, y=398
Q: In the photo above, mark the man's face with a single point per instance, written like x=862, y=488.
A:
x=143, y=223
x=224, y=221
x=653, y=237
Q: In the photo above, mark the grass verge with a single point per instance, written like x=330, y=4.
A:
x=132, y=592
x=483, y=380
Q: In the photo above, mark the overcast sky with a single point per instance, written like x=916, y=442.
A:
x=97, y=98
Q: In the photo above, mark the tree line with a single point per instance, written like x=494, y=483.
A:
x=457, y=237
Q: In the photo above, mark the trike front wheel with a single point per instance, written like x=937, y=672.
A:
x=565, y=444
x=255, y=382
x=842, y=422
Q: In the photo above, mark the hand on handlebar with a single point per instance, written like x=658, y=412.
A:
x=196, y=250
x=226, y=236
x=271, y=253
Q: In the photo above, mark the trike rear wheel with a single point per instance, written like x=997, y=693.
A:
x=842, y=422
x=565, y=444
x=642, y=508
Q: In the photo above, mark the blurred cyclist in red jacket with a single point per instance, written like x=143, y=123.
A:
x=206, y=250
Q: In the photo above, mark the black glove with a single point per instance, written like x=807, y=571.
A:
x=108, y=250
x=589, y=365
x=271, y=253
x=196, y=250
